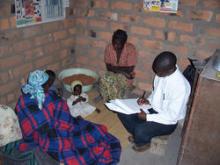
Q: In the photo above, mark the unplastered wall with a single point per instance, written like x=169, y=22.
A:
x=79, y=40
x=194, y=31
x=44, y=46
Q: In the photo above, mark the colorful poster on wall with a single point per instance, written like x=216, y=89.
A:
x=168, y=6
x=29, y=12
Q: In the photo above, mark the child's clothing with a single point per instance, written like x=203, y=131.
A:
x=81, y=108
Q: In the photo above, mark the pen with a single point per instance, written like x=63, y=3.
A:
x=143, y=94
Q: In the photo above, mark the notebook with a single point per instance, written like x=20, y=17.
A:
x=127, y=106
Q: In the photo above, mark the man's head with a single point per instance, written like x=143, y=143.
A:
x=164, y=64
x=119, y=38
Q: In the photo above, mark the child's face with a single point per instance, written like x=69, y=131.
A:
x=77, y=90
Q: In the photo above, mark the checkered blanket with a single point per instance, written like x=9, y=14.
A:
x=72, y=141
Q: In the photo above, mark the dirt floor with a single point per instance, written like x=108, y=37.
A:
x=108, y=118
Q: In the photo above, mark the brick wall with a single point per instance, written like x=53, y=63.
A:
x=193, y=31
x=46, y=46
x=79, y=41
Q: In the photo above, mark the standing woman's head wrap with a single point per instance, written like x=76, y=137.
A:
x=34, y=86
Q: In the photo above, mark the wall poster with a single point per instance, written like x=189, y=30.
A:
x=168, y=6
x=29, y=12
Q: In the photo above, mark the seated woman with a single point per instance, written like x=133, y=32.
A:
x=46, y=123
x=120, y=55
x=120, y=59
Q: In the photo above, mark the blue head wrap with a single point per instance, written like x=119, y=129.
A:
x=34, y=86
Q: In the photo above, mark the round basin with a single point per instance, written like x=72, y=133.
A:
x=76, y=71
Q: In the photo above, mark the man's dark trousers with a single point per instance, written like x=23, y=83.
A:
x=143, y=131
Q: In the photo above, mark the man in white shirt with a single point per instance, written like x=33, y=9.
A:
x=168, y=101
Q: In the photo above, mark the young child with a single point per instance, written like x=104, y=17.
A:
x=78, y=101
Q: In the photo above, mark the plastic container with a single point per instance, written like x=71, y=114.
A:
x=73, y=71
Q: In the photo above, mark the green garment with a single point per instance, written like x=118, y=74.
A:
x=113, y=86
x=11, y=156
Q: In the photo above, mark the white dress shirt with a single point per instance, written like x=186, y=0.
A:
x=169, y=98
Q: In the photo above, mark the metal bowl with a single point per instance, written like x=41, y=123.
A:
x=73, y=71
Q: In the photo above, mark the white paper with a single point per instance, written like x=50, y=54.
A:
x=127, y=106
x=115, y=108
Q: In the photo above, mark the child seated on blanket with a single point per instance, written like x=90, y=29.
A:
x=78, y=101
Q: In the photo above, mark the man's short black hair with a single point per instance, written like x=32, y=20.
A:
x=120, y=35
x=165, y=61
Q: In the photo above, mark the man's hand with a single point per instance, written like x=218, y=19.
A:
x=142, y=101
x=142, y=115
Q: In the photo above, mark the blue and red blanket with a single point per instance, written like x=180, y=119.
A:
x=72, y=141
